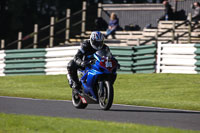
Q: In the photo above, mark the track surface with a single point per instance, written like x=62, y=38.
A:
x=118, y=113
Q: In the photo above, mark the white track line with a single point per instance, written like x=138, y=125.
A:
x=158, y=108
x=21, y=98
x=113, y=104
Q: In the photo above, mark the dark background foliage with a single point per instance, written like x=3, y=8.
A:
x=21, y=15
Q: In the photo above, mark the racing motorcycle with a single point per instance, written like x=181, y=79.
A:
x=97, y=81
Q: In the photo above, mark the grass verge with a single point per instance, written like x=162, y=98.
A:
x=178, y=91
x=10, y=123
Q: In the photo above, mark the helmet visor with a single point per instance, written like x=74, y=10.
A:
x=97, y=44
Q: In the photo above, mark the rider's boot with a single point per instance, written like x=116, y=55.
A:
x=72, y=76
x=74, y=82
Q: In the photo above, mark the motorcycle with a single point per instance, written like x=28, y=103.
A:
x=97, y=81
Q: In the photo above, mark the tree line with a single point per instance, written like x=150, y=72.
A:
x=21, y=15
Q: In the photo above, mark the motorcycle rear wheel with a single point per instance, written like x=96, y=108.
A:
x=105, y=95
x=77, y=102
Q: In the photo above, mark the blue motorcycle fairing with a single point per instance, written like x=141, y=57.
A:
x=91, y=74
x=89, y=80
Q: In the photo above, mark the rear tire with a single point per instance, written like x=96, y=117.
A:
x=77, y=102
x=105, y=95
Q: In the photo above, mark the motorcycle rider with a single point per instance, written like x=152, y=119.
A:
x=88, y=47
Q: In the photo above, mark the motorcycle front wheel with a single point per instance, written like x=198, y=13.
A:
x=105, y=95
x=77, y=102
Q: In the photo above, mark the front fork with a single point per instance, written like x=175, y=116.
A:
x=100, y=89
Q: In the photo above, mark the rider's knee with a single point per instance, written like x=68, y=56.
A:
x=71, y=65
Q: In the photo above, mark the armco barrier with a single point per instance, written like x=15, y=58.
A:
x=2, y=64
x=169, y=58
x=137, y=59
x=124, y=55
x=37, y=61
x=144, y=59
x=52, y=61
x=25, y=61
x=57, y=59
x=178, y=58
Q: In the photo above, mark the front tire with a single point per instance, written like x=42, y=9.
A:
x=77, y=102
x=105, y=95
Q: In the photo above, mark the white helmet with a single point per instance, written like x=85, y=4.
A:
x=96, y=40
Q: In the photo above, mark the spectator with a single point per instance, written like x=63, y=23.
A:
x=112, y=26
x=169, y=14
x=196, y=15
x=180, y=15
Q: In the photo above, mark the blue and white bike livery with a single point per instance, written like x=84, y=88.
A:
x=97, y=81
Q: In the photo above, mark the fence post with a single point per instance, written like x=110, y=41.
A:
x=175, y=5
x=83, y=18
x=67, y=32
x=2, y=44
x=189, y=28
x=156, y=37
x=51, y=39
x=19, y=44
x=138, y=41
x=99, y=12
x=177, y=39
x=173, y=31
x=35, y=37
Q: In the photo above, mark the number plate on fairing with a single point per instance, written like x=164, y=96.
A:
x=108, y=64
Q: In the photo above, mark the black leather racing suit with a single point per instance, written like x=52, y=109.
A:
x=85, y=50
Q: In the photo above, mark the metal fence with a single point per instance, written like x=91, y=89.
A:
x=56, y=33
x=144, y=14
x=133, y=14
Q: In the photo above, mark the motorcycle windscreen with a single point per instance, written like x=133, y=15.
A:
x=104, y=53
x=106, y=60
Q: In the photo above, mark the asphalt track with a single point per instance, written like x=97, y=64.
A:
x=182, y=119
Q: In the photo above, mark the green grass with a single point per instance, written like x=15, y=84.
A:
x=178, y=91
x=160, y=90
x=39, y=124
x=44, y=87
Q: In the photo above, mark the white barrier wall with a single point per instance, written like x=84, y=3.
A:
x=57, y=59
x=2, y=64
x=176, y=58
